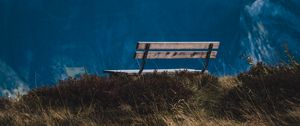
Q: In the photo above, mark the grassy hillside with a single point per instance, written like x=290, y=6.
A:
x=265, y=95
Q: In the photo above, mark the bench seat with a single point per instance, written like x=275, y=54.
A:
x=147, y=71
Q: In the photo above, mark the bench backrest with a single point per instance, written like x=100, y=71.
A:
x=176, y=50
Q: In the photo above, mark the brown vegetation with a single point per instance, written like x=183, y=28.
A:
x=265, y=95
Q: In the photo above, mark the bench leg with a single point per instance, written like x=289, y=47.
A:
x=207, y=58
x=144, y=59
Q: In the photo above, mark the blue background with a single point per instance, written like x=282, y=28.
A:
x=38, y=38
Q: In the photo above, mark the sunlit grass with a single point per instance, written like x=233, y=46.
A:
x=265, y=95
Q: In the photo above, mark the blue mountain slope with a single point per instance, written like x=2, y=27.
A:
x=39, y=38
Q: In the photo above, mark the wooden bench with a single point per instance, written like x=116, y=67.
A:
x=171, y=50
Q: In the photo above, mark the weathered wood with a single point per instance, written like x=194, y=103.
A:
x=174, y=54
x=171, y=50
x=177, y=45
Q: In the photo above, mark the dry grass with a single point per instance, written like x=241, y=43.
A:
x=265, y=95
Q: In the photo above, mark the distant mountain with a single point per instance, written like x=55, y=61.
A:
x=10, y=84
x=39, y=38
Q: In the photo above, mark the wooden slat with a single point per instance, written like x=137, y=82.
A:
x=174, y=54
x=177, y=45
